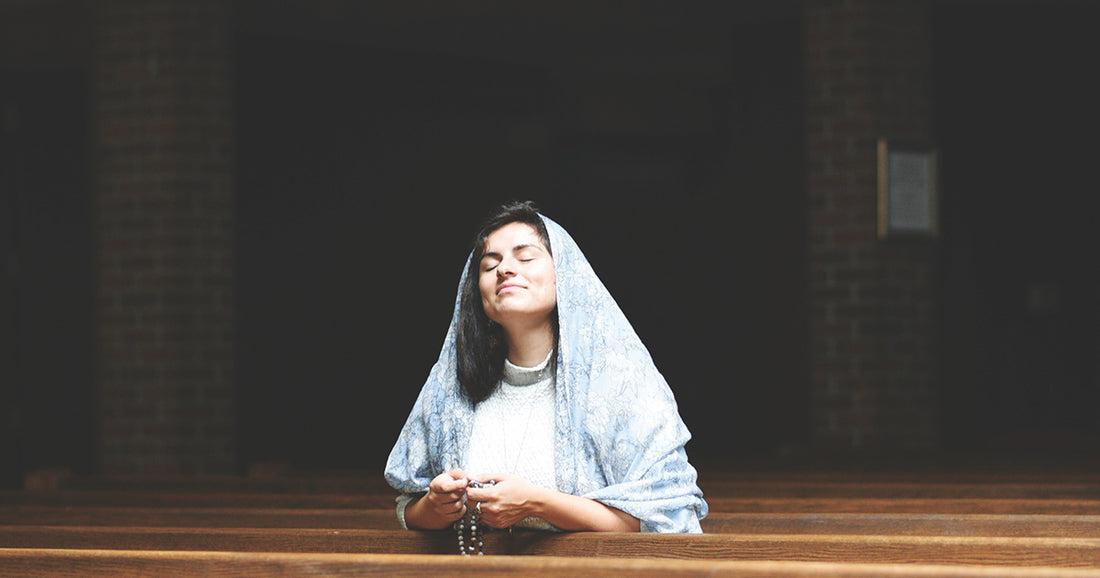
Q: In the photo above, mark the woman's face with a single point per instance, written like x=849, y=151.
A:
x=517, y=276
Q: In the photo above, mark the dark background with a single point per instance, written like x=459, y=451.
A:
x=364, y=180
x=367, y=157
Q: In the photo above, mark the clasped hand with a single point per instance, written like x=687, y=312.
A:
x=502, y=504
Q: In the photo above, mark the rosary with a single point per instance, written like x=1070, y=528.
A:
x=475, y=542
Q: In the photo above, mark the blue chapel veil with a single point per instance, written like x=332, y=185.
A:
x=619, y=438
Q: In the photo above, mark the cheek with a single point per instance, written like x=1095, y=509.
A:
x=550, y=286
x=487, y=287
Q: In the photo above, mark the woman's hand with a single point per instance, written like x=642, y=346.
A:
x=505, y=503
x=444, y=503
x=511, y=499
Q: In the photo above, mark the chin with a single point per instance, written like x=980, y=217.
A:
x=502, y=316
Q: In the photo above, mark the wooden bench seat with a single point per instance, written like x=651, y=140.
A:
x=975, y=473
x=904, y=506
x=992, y=525
x=1069, y=552
x=1063, y=552
x=1011, y=525
x=836, y=524
x=31, y=563
x=973, y=483
x=372, y=519
x=717, y=503
x=161, y=499
x=285, y=484
x=908, y=489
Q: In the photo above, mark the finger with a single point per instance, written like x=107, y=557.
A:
x=445, y=484
x=448, y=506
x=451, y=496
x=482, y=494
x=442, y=499
x=455, y=509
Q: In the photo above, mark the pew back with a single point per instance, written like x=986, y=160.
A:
x=791, y=524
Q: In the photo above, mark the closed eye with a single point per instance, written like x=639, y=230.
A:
x=490, y=261
x=527, y=253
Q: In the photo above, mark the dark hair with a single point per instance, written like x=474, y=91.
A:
x=480, y=347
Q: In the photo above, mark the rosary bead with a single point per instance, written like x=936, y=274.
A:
x=476, y=542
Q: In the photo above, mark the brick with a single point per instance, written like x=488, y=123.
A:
x=870, y=304
x=164, y=195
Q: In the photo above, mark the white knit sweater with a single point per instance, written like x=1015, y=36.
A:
x=513, y=429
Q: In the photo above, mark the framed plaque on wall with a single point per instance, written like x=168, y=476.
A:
x=908, y=190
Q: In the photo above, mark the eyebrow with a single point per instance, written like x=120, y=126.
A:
x=515, y=249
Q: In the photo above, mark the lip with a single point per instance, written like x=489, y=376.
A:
x=508, y=286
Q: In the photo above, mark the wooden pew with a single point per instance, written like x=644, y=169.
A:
x=161, y=499
x=717, y=503
x=991, y=525
x=33, y=563
x=976, y=473
x=369, y=519
x=905, y=506
x=859, y=520
x=904, y=484
x=1060, y=552
x=1036, y=526
x=907, y=489
x=370, y=484
x=1068, y=552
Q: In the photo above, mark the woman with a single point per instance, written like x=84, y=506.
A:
x=544, y=409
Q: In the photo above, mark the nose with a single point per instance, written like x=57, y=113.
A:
x=506, y=268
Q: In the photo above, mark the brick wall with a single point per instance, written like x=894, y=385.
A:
x=163, y=238
x=873, y=304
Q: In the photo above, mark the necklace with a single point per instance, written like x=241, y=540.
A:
x=511, y=469
x=519, y=384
